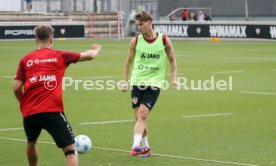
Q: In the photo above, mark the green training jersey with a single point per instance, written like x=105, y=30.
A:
x=149, y=63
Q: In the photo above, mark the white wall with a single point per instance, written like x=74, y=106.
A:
x=10, y=5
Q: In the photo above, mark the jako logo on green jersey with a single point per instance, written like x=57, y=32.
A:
x=152, y=56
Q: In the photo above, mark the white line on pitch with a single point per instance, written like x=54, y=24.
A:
x=11, y=129
x=7, y=76
x=84, y=123
x=106, y=122
x=206, y=115
x=181, y=157
x=258, y=93
x=155, y=154
x=23, y=140
x=227, y=72
x=203, y=160
x=229, y=57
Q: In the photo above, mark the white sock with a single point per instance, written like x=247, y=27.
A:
x=137, y=140
x=145, y=141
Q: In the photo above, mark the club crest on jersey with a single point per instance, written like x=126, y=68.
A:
x=134, y=100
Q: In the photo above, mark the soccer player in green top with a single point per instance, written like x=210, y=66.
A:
x=147, y=54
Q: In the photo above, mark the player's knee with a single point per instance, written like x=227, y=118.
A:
x=143, y=114
x=70, y=152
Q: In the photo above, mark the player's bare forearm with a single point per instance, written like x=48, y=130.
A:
x=126, y=73
x=171, y=57
x=18, y=95
x=129, y=60
x=128, y=64
x=17, y=89
x=173, y=70
x=90, y=54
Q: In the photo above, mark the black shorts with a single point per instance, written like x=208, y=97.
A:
x=54, y=123
x=145, y=95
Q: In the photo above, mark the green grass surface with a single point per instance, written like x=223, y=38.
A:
x=247, y=136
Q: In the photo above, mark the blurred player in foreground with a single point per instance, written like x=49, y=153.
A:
x=40, y=74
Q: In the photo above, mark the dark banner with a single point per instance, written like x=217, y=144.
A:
x=27, y=32
x=217, y=30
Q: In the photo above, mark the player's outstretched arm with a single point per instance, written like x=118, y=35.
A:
x=90, y=54
x=17, y=89
x=128, y=63
x=170, y=53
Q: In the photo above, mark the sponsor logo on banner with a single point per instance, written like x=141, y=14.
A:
x=21, y=31
x=258, y=31
x=198, y=30
x=62, y=31
x=273, y=32
x=228, y=31
x=172, y=30
x=17, y=32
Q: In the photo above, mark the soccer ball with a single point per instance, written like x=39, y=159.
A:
x=83, y=144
